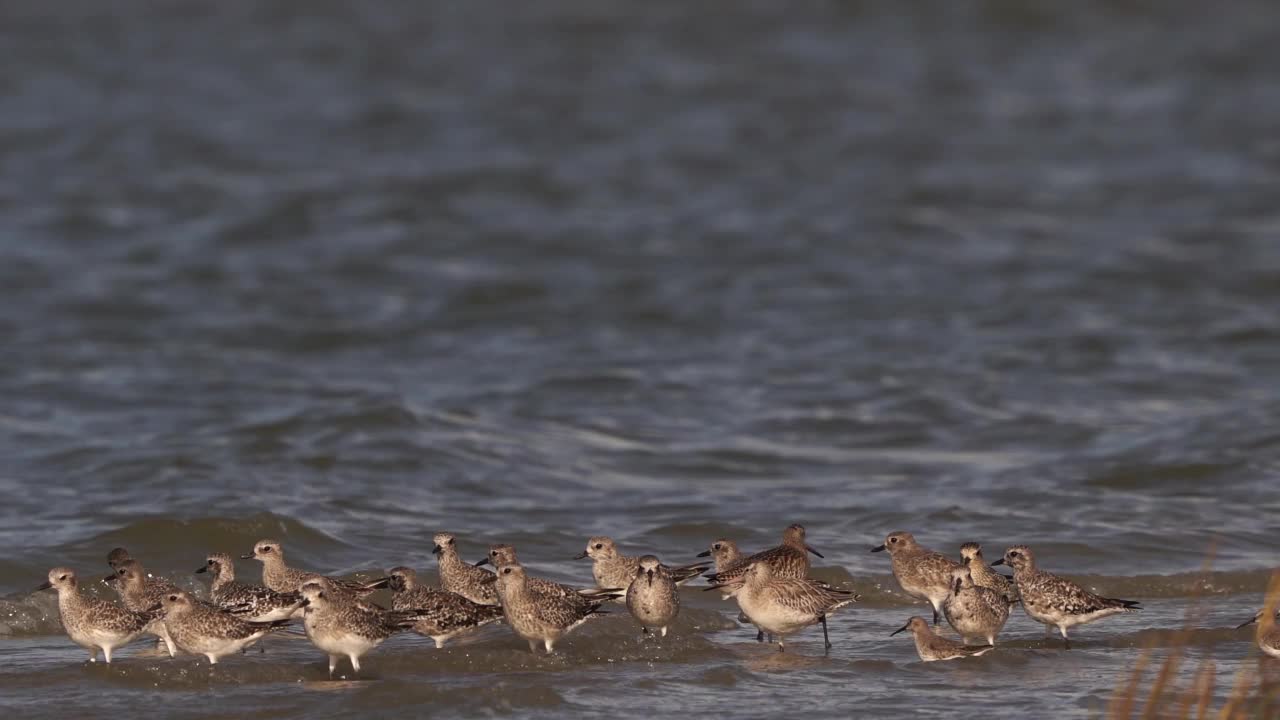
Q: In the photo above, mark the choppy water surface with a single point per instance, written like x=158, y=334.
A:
x=347, y=274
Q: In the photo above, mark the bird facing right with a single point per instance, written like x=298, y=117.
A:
x=781, y=606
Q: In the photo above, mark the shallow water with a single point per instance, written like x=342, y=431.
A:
x=348, y=275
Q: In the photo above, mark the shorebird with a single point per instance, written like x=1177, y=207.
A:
x=984, y=576
x=91, y=623
x=441, y=614
x=536, y=617
x=972, y=610
x=724, y=553
x=922, y=573
x=253, y=603
x=1268, y=632
x=206, y=630
x=503, y=554
x=471, y=582
x=131, y=584
x=339, y=623
x=614, y=571
x=278, y=576
x=931, y=647
x=790, y=560
x=652, y=597
x=1055, y=601
x=781, y=606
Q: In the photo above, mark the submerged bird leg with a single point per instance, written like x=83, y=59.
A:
x=826, y=640
x=759, y=635
x=1066, y=641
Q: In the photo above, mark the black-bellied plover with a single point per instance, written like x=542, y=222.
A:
x=253, y=603
x=1056, y=601
x=1268, y=635
x=202, y=629
x=503, y=554
x=724, y=553
x=984, y=576
x=922, y=573
x=441, y=614
x=91, y=623
x=278, y=576
x=652, y=597
x=131, y=583
x=788, y=560
x=972, y=610
x=614, y=571
x=458, y=576
x=931, y=647
x=781, y=606
x=537, y=617
x=340, y=624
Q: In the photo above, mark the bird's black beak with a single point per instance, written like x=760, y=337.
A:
x=815, y=552
x=250, y=556
x=379, y=583
x=1249, y=622
x=110, y=578
x=704, y=553
x=580, y=555
x=482, y=561
x=878, y=548
x=997, y=563
x=965, y=560
x=904, y=627
x=437, y=550
x=202, y=568
x=650, y=574
x=305, y=602
x=46, y=585
x=958, y=584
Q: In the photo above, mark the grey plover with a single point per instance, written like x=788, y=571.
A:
x=614, y=571
x=253, y=603
x=458, y=576
x=278, y=576
x=340, y=624
x=131, y=584
x=724, y=553
x=441, y=614
x=652, y=597
x=1268, y=632
x=781, y=606
x=972, y=610
x=503, y=554
x=1055, y=601
x=922, y=573
x=984, y=576
x=202, y=629
x=931, y=647
x=539, y=618
x=788, y=560
x=91, y=623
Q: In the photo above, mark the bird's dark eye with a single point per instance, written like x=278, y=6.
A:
x=62, y=577
x=599, y=546
x=893, y=540
x=1013, y=554
x=716, y=546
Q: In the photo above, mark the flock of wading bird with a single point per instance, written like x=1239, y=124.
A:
x=773, y=590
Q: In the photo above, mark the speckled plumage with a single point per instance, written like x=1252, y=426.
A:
x=278, y=576
x=652, y=597
x=502, y=555
x=614, y=571
x=91, y=623
x=788, y=560
x=536, y=617
x=920, y=572
x=441, y=615
x=783, y=605
x=974, y=611
x=458, y=576
x=141, y=593
x=1268, y=633
x=339, y=623
x=203, y=629
x=253, y=603
x=724, y=553
x=1056, y=601
x=931, y=647
x=984, y=576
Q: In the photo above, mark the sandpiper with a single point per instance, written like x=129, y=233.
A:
x=1055, y=601
x=1268, y=632
x=206, y=630
x=253, y=603
x=972, y=610
x=441, y=614
x=931, y=647
x=781, y=605
x=341, y=624
x=922, y=573
x=724, y=553
x=536, y=617
x=652, y=596
x=788, y=560
x=503, y=554
x=91, y=623
x=278, y=576
x=984, y=576
x=471, y=582
x=614, y=571
x=131, y=584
